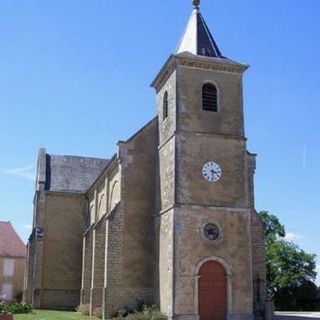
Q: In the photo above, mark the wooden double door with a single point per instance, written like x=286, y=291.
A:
x=212, y=288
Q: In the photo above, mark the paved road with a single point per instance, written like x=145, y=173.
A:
x=296, y=315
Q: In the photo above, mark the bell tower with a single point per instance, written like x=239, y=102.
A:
x=208, y=260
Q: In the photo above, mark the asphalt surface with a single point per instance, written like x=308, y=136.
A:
x=296, y=315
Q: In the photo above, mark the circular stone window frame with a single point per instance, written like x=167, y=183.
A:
x=208, y=240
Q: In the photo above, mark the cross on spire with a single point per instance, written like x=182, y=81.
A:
x=196, y=3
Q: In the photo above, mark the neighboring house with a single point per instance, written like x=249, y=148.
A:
x=170, y=218
x=12, y=262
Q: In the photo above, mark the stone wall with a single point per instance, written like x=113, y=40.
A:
x=191, y=117
x=232, y=250
x=37, y=285
x=167, y=173
x=60, y=299
x=259, y=266
x=28, y=289
x=130, y=243
x=138, y=171
x=113, y=290
x=98, y=267
x=103, y=197
x=118, y=263
x=119, y=292
x=167, y=126
x=62, y=250
x=166, y=264
x=196, y=149
x=87, y=268
x=258, y=248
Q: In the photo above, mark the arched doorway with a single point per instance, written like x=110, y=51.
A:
x=212, y=288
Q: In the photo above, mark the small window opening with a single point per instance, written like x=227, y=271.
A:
x=165, y=105
x=209, y=97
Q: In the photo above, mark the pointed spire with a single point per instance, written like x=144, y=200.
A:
x=197, y=38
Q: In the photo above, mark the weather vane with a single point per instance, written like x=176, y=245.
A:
x=196, y=3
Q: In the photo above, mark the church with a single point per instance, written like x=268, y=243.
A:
x=168, y=219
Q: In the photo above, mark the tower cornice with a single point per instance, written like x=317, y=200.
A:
x=189, y=60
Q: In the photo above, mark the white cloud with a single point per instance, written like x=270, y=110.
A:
x=290, y=236
x=24, y=172
x=27, y=227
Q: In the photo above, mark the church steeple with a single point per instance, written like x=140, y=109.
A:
x=197, y=38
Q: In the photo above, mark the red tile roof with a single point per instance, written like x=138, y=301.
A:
x=11, y=244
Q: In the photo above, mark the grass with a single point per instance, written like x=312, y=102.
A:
x=52, y=315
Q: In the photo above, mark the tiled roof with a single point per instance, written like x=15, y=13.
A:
x=197, y=38
x=71, y=173
x=11, y=244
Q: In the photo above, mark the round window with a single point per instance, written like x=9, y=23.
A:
x=211, y=231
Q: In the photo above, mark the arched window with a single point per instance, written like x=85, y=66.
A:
x=114, y=195
x=102, y=206
x=165, y=105
x=209, y=97
x=92, y=214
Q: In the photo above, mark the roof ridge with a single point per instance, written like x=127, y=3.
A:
x=73, y=156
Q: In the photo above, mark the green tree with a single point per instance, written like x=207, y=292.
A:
x=288, y=266
x=273, y=228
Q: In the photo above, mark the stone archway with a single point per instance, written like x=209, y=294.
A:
x=212, y=291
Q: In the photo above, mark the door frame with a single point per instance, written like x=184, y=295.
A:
x=229, y=273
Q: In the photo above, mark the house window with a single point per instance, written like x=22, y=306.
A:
x=165, y=105
x=6, y=292
x=209, y=97
x=8, y=267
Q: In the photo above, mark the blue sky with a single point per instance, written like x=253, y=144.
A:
x=75, y=76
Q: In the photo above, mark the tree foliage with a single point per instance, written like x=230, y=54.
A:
x=273, y=228
x=288, y=266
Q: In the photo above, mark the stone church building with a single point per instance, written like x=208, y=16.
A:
x=168, y=219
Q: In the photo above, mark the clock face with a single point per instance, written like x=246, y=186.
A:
x=211, y=171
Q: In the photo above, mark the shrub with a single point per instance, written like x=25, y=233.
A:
x=20, y=308
x=136, y=316
x=16, y=308
x=84, y=309
x=145, y=313
x=153, y=313
x=3, y=307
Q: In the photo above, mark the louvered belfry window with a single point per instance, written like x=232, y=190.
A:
x=165, y=105
x=209, y=97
